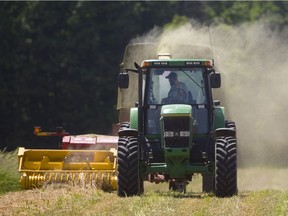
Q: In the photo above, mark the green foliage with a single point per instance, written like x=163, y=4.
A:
x=242, y=11
x=59, y=60
x=63, y=71
x=176, y=22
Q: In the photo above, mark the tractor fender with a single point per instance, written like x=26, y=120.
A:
x=134, y=118
x=219, y=119
x=224, y=132
x=133, y=129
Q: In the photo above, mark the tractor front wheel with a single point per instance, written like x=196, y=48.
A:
x=225, y=167
x=130, y=182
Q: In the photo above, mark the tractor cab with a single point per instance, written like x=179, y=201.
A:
x=183, y=81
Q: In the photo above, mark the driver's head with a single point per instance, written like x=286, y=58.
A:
x=172, y=78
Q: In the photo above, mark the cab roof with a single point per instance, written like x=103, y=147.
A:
x=177, y=62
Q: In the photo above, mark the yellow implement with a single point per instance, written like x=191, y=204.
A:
x=85, y=167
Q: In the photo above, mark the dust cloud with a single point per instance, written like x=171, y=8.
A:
x=252, y=58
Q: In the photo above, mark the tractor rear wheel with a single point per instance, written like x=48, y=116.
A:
x=124, y=125
x=230, y=124
x=225, y=167
x=130, y=183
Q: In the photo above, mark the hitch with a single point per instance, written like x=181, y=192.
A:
x=59, y=132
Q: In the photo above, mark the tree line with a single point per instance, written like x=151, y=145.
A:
x=59, y=60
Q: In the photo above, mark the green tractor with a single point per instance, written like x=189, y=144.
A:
x=176, y=130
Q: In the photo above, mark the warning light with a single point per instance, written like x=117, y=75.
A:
x=208, y=63
x=145, y=64
x=37, y=129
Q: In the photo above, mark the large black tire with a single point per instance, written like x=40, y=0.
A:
x=130, y=182
x=225, y=167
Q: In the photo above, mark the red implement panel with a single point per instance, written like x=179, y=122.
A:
x=90, y=141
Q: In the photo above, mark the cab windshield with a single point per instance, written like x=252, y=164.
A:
x=176, y=85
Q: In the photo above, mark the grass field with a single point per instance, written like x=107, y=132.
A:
x=9, y=176
x=262, y=191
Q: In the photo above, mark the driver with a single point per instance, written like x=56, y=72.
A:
x=178, y=92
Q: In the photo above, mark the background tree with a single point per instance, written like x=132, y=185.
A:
x=59, y=60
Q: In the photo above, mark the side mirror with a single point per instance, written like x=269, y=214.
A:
x=123, y=80
x=215, y=80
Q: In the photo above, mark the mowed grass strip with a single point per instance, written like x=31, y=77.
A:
x=69, y=200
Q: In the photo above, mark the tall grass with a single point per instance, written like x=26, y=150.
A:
x=9, y=176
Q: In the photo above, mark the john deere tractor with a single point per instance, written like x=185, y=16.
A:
x=170, y=136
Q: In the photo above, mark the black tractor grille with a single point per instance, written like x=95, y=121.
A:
x=176, y=132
